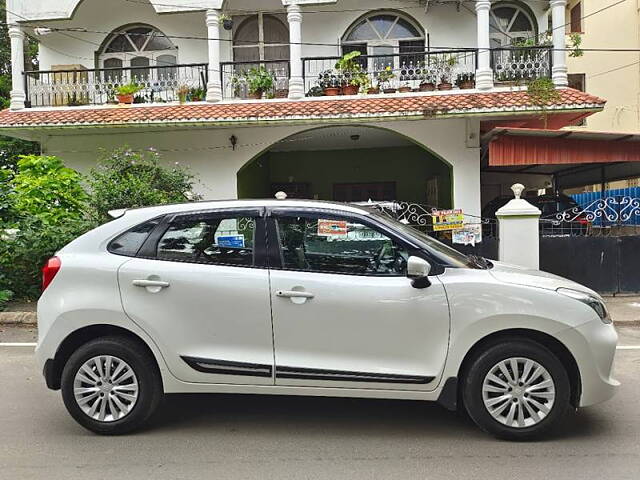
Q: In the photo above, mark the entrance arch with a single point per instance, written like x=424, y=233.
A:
x=349, y=163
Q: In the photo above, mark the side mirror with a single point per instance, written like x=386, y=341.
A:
x=418, y=270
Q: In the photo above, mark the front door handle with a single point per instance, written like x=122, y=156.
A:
x=294, y=294
x=150, y=283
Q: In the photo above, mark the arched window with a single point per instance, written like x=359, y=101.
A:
x=510, y=23
x=138, y=47
x=261, y=37
x=385, y=33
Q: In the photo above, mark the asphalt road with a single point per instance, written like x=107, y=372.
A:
x=247, y=437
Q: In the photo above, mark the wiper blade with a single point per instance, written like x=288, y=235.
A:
x=480, y=261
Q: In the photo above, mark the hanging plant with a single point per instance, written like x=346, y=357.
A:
x=542, y=92
x=227, y=21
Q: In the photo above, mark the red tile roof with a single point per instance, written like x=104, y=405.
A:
x=416, y=105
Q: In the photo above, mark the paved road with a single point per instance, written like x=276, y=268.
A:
x=247, y=437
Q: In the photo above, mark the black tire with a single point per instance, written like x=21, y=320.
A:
x=150, y=391
x=509, y=348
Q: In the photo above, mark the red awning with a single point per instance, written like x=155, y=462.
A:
x=525, y=146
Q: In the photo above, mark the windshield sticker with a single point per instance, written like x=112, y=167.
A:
x=332, y=228
x=231, y=241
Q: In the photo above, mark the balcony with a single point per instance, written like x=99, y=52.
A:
x=388, y=74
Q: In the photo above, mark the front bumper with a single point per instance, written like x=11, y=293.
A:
x=593, y=346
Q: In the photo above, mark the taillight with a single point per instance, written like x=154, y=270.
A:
x=49, y=271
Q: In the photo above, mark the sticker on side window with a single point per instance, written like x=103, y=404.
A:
x=332, y=228
x=231, y=241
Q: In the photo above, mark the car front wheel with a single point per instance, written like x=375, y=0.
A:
x=516, y=390
x=111, y=386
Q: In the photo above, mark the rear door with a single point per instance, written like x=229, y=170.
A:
x=200, y=289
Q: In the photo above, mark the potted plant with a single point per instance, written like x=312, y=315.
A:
x=197, y=94
x=227, y=21
x=351, y=70
x=427, y=83
x=384, y=79
x=259, y=81
x=329, y=83
x=183, y=92
x=446, y=64
x=466, y=81
x=404, y=88
x=125, y=93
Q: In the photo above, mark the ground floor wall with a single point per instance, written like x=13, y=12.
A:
x=209, y=154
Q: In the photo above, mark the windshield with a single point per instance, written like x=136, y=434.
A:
x=443, y=253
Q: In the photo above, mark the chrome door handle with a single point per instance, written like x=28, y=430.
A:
x=294, y=294
x=150, y=283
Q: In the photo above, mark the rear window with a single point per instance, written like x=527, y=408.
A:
x=129, y=242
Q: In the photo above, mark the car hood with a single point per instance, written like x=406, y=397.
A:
x=507, y=273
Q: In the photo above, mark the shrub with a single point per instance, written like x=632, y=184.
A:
x=128, y=178
x=6, y=197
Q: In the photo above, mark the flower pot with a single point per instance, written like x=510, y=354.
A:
x=389, y=90
x=373, y=91
x=467, y=85
x=445, y=86
x=282, y=93
x=350, y=89
x=427, y=87
x=257, y=95
x=332, y=91
x=196, y=99
x=404, y=89
x=227, y=24
x=126, y=99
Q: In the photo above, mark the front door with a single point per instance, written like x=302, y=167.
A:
x=202, y=294
x=344, y=312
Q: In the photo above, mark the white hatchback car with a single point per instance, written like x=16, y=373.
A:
x=311, y=298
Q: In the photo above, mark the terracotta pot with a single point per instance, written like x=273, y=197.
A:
x=332, y=91
x=427, y=87
x=257, y=95
x=445, y=86
x=467, y=85
x=282, y=93
x=127, y=99
x=389, y=90
x=350, y=89
x=373, y=91
x=404, y=89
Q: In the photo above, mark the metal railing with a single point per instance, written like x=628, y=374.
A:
x=517, y=64
x=50, y=88
x=392, y=72
x=236, y=79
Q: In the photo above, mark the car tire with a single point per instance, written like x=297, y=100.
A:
x=130, y=391
x=538, y=403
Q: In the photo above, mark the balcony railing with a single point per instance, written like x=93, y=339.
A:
x=238, y=79
x=394, y=72
x=99, y=86
x=517, y=64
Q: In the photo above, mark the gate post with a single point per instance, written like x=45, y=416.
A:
x=518, y=230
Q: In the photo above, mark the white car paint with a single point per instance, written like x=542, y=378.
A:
x=369, y=324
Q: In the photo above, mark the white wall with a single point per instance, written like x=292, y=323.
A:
x=208, y=154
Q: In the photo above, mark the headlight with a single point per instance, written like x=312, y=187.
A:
x=594, y=302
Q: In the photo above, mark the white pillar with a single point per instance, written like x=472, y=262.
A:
x=484, y=73
x=214, y=85
x=518, y=228
x=559, y=70
x=296, y=82
x=18, y=95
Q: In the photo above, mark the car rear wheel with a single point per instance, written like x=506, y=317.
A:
x=516, y=390
x=111, y=386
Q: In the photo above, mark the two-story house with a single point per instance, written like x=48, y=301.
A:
x=432, y=79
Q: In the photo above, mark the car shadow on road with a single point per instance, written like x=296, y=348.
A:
x=337, y=416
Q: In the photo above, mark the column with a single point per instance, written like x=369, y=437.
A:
x=18, y=95
x=296, y=82
x=518, y=224
x=559, y=70
x=214, y=85
x=484, y=73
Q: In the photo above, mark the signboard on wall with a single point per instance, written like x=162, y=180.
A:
x=447, y=220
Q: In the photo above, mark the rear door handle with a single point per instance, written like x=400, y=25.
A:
x=294, y=294
x=150, y=283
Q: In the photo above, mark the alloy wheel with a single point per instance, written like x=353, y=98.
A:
x=106, y=388
x=518, y=392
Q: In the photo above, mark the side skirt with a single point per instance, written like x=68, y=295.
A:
x=345, y=376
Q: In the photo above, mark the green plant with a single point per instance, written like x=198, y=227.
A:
x=196, y=94
x=385, y=76
x=128, y=89
x=259, y=80
x=44, y=188
x=126, y=178
x=5, y=294
x=183, y=92
x=348, y=63
x=542, y=92
x=574, y=49
x=7, y=212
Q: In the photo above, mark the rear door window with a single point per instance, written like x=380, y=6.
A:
x=129, y=243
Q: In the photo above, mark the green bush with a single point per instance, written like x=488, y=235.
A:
x=128, y=178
